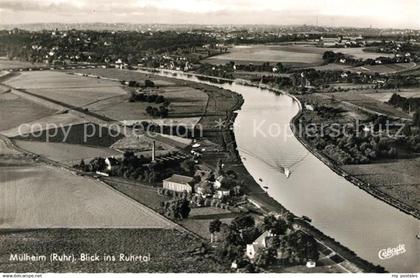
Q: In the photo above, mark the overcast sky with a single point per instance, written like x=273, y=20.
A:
x=361, y=13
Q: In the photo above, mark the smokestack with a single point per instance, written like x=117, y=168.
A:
x=153, y=151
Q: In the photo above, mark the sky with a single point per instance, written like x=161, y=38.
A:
x=358, y=13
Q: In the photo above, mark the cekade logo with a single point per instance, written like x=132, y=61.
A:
x=388, y=253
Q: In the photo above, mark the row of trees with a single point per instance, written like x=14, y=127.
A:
x=178, y=209
x=406, y=104
x=338, y=57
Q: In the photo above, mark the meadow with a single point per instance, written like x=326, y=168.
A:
x=69, y=89
x=68, y=154
x=41, y=196
x=292, y=55
x=22, y=110
x=15, y=64
x=368, y=103
x=397, y=178
x=170, y=250
x=89, y=134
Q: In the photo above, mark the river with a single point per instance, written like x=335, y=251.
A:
x=338, y=208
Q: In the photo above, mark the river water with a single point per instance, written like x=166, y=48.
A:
x=338, y=208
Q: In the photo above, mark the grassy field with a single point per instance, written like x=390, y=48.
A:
x=185, y=102
x=68, y=154
x=200, y=218
x=385, y=95
x=170, y=251
x=398, y=178
x=365, y=101
x=294, y=55
x=60, y=120
x=89, y=134
x=125, y=75
x=66, y=88
x=384, y=69
x=189, y=101
x=39, y=196
x=14, y=64
x=22, y=110
x=145, y=194
x=287, y=54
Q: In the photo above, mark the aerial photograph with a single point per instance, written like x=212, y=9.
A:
x=209, y=137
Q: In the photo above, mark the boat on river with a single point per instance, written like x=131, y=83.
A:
x=287, y=172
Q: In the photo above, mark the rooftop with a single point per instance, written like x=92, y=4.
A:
x=179, y=179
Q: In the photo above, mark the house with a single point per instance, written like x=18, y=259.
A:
x=309, y=107
x=259, y=244
x=310, y=264
x=222, y=192
x=234, y=265
x=204, y=188
x=178, y=183
x=111, y=162
x=218, y=183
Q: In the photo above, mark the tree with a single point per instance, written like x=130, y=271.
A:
x=243, y=222
x=266, y=258
x=279, y=227
x=268, y=222
x=188, y=166
x=97, y=164
x=149, y=83
x=214, y=227
x=177, y=209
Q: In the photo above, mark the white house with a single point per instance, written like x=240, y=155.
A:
x=221, y=192
x=178, y=183
x=259, y=244
x=309, y=107
x=218, y=183
x=310, y=264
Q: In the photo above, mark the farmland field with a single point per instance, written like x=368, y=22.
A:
x=184, y=101
x=66, y=88
x=297, y=55
x=40, y=196
x=14, y=64
x=89, y=134
x=365, y=101
x=125, y=75
x=384, y=69
x=22, y=110
x=287, y=54
x=60, y=120
x=385, y=95
x=68, y=154
x=170, y=250
x=398, y=178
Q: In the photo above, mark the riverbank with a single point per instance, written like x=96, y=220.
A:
x=348, y=176
x=266, y=204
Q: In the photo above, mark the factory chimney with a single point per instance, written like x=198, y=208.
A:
x=153, y=151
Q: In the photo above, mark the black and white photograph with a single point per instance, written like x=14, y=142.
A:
x=209, y=137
